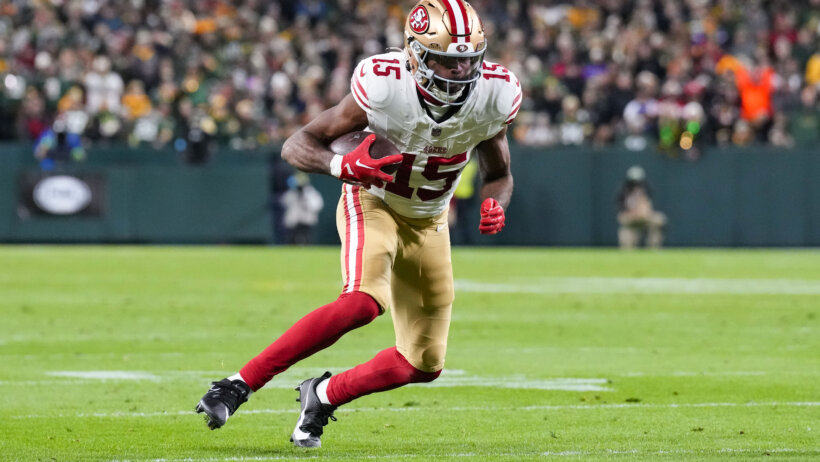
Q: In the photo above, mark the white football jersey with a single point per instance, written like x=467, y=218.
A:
x=434, y=153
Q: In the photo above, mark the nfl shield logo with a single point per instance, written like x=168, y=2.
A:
x=436, y=131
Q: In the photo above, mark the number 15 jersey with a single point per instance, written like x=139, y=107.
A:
x=434, y=153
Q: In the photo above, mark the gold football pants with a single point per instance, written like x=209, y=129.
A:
x=404, y=264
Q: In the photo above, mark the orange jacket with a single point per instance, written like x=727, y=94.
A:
x=755, y=96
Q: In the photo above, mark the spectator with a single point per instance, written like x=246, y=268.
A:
x=636, y=216
x=196, y=147
x=70, y=110
x=813, y=69
x=279, y=174
x=302, y=203
x=574, y=126
x=755, y=88
x=805, y=121
x=32, y=120
x=135, y=102
x=57, y=146
x=724, y=113
x=670, y=115
x=535, y=129
x=779, y=135
x=262, y=70
x=548, y=101
x=609, y=104
x=103, y=87
x=155, y=128
x=641, y=114
x=743, y=134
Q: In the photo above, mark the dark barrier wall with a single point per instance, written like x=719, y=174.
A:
x=563, y=197
x=731, y=197
x=149, y=197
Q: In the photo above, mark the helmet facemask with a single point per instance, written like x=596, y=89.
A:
x=443, y=90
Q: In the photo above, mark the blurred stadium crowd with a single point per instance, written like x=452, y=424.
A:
x=673, y=74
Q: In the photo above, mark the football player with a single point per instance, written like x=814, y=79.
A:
x=439, y=102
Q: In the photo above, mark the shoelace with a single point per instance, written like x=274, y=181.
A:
x=323, y=417
x=228, y=394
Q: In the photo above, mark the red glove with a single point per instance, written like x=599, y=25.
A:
x=492, y=217
x=358, y=167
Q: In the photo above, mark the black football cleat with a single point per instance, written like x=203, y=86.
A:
x=222, y=400
x=314, y=415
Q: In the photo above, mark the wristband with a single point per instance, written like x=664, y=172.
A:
x=336, y=165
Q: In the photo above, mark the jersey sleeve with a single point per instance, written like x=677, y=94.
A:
x=500, y=95
x=370, y=82
x=504, y=90
x=515, y=85
x=357, y=85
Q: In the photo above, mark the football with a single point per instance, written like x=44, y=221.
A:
x=381, y=147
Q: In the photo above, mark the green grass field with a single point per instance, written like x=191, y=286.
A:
x=553, y=355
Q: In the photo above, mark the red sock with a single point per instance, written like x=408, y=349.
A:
x=315, y=331
x=386, y=371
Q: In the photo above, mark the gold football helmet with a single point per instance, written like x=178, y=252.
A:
x=450, y=33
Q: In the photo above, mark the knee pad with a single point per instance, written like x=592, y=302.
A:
x=432, y=357
x=415, y=375
x=426, y=364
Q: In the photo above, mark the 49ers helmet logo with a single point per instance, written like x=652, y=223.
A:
x=419, y=20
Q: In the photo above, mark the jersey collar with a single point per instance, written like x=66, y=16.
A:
x=425, y=99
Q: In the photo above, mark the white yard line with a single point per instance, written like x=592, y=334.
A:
x=468, y=455
x=556, y=407
x=106, y=375
x=449, y=379
x=696, y=374
x=620, y=285
x=563, y=384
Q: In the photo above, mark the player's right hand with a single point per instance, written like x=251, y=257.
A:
x=359, y=167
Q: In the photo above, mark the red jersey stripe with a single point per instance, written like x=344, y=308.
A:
x=515, y=110
x=358, y=98
x=360, y=87
x=517, y=99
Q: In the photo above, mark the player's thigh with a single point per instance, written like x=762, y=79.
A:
x=423, y=294
x=367, y=231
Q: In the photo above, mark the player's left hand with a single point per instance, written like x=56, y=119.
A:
x=492, y=217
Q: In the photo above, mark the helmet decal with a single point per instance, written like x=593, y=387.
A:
x=419, y=20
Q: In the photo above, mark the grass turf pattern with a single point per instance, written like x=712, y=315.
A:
x=554, y=354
